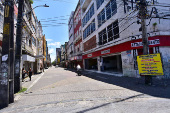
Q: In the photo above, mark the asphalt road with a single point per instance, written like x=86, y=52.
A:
x=61, y=91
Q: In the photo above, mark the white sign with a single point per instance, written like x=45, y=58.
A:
x=4, y=58
x=89, y=55
x=151, y=42
x=105, y=51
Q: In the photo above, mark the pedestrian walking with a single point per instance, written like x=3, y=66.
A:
x=30, y=73
x=23, y=74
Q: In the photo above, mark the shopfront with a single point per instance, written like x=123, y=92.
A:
x=122, y=57
x=75, y=61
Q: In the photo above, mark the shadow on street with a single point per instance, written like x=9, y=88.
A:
x=158, y=89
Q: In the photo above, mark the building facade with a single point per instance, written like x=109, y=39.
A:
x=32, y=40
x=111, y=35
x=71, y=39
x=58, y=56
x=77, y=58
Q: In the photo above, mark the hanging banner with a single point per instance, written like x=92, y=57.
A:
x=150, y=64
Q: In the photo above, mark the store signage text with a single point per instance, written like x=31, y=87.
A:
x=150, y=64
x=105, y=51
x=151, y=42
x=89, y=55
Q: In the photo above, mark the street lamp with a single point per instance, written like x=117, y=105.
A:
x=34, y=8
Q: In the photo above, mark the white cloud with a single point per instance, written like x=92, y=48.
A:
x=52, y=57
x=48, y=39
x=58, y=44
x=51, y=51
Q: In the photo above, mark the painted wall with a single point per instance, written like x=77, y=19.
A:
x=165, y=54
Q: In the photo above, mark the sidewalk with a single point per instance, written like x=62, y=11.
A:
x=28, y=84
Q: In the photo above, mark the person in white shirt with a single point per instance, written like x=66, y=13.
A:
x=101, y=65
x=78, y=67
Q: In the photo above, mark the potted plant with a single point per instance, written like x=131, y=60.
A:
x=31, y=1
x=154, y=26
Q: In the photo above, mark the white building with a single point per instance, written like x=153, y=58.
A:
x=110, y=33
x=32, y=44
x=71, y=37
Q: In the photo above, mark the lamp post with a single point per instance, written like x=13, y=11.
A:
x=18, y=56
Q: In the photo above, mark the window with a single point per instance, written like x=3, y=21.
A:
x=109, y=34
x=102, y=37
x=33, y=41
x=107, y=12
x=71, y=36
x=99, y=3
x=113, y=7
x=101, y=18
x=33, y=28
x=88, y=15
x=116, y=30
x=89, y=30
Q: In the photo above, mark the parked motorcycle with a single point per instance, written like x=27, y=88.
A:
x=79, y=72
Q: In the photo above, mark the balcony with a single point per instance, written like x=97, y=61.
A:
x=85, y=4
x=78, y=53
x=77, y=38
x=27, y=48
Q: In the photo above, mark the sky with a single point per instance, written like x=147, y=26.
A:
x=54, y=20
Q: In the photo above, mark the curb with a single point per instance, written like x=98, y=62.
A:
x=18, y=96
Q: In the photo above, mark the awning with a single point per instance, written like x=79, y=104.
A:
x=39, y=56
x=28, y=58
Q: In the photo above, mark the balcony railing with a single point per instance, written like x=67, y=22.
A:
x=27, y=48
x=84, y=4
x=78, y=53
x=77, y=38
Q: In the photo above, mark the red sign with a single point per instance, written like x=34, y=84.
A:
x=163, y=41
x=76, y=58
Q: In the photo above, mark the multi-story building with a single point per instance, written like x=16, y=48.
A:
x=58, y=56
x=44, y=51
x=71, y=39
x=62, y=63
x=31, y=39
x=40, y=55
x=111, y=35
x=77, y=58
x=66, y=54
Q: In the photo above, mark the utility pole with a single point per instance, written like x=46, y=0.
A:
x=7, y=66
x=18, y=56
x=143, y=15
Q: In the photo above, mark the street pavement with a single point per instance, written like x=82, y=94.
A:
x=59, y=90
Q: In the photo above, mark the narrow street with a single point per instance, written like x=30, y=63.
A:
x=61, y=91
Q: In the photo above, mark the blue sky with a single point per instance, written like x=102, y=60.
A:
x=54, y=20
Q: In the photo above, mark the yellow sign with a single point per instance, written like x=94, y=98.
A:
x=150, y=64
x=6, y=11
x=6, y=28
x=58, y=60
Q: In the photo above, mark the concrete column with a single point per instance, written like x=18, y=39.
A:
x=83, y=64
x=98, y=63
x=118, y=62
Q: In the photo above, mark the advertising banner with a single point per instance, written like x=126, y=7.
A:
x=150, y=64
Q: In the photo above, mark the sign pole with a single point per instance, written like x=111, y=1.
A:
x=6, y=75
x=143, y=12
